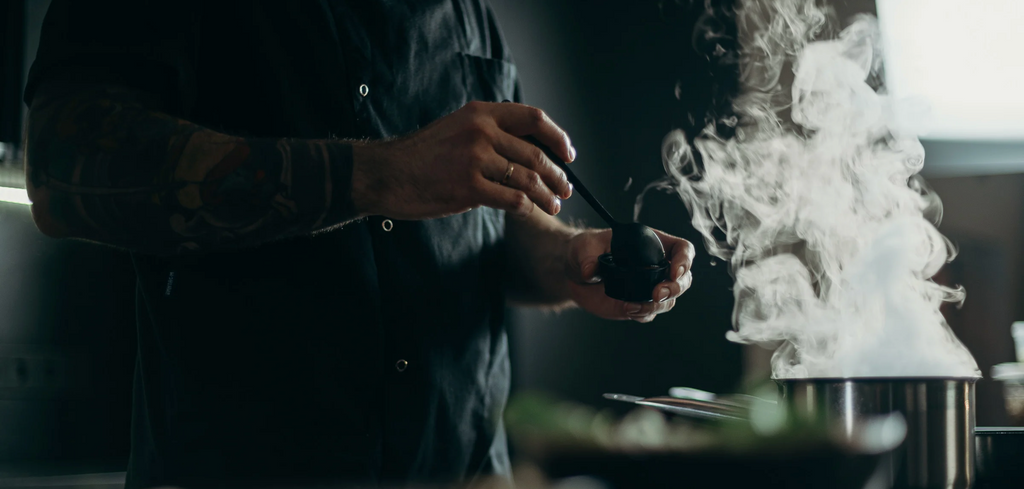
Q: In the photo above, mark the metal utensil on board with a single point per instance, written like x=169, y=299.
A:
x=939, y=412
x=693, y=408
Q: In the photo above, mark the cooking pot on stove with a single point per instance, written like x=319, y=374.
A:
x=938, y=451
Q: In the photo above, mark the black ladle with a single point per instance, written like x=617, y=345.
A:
x=637, y=262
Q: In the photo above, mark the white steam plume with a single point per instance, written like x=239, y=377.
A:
x=817, y=204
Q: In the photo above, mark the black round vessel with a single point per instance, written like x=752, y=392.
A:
x=632, y=283
x=636, y=264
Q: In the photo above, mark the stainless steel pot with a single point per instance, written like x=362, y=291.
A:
x=938, y=451
x=939, y=448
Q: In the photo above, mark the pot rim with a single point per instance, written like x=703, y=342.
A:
x=873, y=380
x=998, y=430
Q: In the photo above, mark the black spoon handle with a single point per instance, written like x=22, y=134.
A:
x=576, y=182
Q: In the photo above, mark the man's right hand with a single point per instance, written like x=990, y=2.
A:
x=458, y=163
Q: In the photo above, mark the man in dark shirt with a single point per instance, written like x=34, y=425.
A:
x=327, y=211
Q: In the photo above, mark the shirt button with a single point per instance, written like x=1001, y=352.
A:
x=401, y=365
x=364, y=90
x=387, y=225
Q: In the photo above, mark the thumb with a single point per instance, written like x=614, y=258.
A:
x=587, y=272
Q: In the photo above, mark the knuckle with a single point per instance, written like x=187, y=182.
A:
x=516, y=203
x=539, y=159
x=521, y=204
x=536, y=116
x=488, y=132
x=473, y=107
x=689, y=249
x=478, y=153
x=563, y=180
x=477, y=129
x=687, y=282
x=673, y=290
x=534, y=182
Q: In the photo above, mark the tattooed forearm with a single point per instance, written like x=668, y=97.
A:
x=103, y=167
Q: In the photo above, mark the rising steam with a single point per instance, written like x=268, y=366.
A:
x=815, y=200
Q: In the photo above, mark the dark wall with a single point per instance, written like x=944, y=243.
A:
x=12, y=55
x=606, y=72
x=984, y=216
x=67, y=328
x=67, y=346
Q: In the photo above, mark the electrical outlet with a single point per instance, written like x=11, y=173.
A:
x=42, y=372
x=33, y=372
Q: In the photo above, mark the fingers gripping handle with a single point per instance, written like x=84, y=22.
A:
x=575, y=181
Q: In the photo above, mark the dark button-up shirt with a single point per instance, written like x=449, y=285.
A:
x=373, y=353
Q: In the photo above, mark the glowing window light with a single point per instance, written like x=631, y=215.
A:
x=963, y=58
x=14, y=195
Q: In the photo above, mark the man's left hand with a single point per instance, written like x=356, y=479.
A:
x=587, y=291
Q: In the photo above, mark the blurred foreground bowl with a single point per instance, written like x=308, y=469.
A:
x=831, y=469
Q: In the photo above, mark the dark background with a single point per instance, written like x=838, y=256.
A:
x=606, y=72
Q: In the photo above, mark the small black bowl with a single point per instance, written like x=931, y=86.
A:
x=631, y=284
